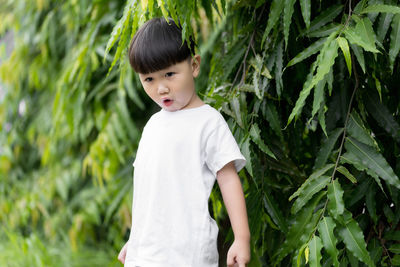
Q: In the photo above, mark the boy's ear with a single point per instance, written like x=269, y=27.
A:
x=195, y=64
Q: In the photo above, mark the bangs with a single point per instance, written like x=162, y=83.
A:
x=158, y=45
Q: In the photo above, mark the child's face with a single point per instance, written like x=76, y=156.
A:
x=173, y=88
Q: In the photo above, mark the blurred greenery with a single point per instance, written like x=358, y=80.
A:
x=322, y=178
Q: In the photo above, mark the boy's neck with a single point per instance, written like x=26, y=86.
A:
x=194, y=103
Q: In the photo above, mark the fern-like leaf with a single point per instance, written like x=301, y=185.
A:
x=306, y=11
x=310, y=189
x=363, y=35
x=346, y=51
x=394, y=40
x=274, y=15
x=325, y=229
x=335, y=197
x=309, y=51
x=372, y=160
x=256, y=137
x=315, y=246
x=354, y=240
x=327, y=147
x=288, y=10
x=381, y=8
x=325, y=60
x=314, y=176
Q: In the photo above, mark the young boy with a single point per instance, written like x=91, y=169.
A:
x=184, y=148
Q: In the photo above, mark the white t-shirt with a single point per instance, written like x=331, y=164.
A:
x=175, y=169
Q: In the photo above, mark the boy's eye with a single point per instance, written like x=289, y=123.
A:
x=169, y=74
x=148, y=79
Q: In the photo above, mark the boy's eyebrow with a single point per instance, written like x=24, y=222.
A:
x=167, y=69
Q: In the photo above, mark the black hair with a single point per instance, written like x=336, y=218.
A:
x=157, y=45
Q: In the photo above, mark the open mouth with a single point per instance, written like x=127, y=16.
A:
x=167, y=102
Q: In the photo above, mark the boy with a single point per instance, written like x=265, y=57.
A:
x=184, y=148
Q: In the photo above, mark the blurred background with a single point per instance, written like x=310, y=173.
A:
x=308, y=88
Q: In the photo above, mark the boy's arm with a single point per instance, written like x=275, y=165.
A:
x=232, y=194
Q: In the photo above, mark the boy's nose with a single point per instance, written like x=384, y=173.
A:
x=162, y=89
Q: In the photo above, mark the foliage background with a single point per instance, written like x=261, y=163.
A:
x=309, y=89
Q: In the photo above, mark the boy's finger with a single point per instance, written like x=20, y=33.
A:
x=230, y=261
x=241, y=262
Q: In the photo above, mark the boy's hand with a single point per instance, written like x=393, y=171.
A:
x=238, y=254
x=122, y=253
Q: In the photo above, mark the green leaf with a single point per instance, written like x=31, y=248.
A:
x=118, y=128
x=271, y=115
x=381, y=8
x=388, y=214
x=235, y=105
x=164, y=11
x=245, y=148
x=315, y=246
x=325, y=229
x=274, y=14
x=346, y=173
x=304, y=248
x=335, y=197
x=372, y=160
x=396, y=260
x=360, y=6
x=114, y=144
x=125, y=118
x=321, y=117
x=255, y=136
x=346, y=51
x=314, y=176
x=273, y=210
x=256, y=84
x=356, y=129
x=172, y=12
x=116, y=32
x=385, y=20
x=318, y=97
x=327, y=147
x=359, y=55
x=394, y=40
x=278, y=68
x=352, y=159
x=325, y=61
x=125, y=36
x=308, y=190
x=329, y=80
x=371, y=203
x=325, y=30
x=309, y=51
x=392, y=235
x=373, y=15
x=301, y=228
x=383, y=116
x=354, y=240
x=133, y=91
x=114, y=36
x=306, y=11
x=362, y=34
x=325, y=17
x=378, y=86
x=288, y=10
x=118, y=196
x=395, y=248
x=375, y=249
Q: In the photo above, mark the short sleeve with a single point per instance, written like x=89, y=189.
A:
x=222, y=148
